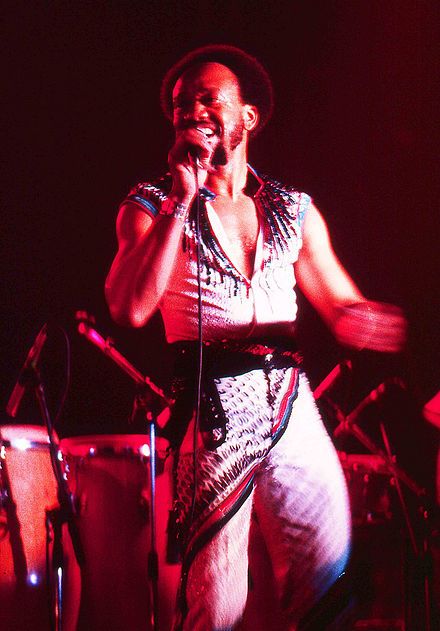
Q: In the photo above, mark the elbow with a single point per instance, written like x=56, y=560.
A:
x=128, y=318
x=124, y=313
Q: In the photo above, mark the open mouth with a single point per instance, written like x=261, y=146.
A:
x=206, y=131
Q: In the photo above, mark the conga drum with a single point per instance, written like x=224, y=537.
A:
x=109, y=478
x=28, y=490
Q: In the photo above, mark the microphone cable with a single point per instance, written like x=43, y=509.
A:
x=199, y=347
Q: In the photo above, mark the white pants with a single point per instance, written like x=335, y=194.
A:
x=300, y=502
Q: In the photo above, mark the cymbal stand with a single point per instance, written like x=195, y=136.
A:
x=422, y=555
x=348, y=425
x=149, y=401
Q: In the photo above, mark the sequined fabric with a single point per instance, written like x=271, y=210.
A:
x=233, y=306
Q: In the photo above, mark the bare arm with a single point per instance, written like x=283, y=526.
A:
x=147, y=247
x=143, y=264
x=353, y=319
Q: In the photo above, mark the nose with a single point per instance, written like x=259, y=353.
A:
x=195, y=111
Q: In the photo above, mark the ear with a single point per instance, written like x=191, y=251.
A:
x=251, y=117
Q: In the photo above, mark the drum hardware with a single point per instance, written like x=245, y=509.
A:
x=339, y=370
x=149, y=402
x=347, y=425
x=30, y=378
x=419, y=546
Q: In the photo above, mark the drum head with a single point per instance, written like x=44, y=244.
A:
x=90, y=445
x=23, y=436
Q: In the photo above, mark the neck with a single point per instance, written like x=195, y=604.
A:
x=229, y=180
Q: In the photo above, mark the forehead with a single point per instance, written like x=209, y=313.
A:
x=210, y=76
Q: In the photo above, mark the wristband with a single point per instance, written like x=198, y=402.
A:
x=174, y=209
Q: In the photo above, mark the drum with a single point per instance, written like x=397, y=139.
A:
x=109, y=477
x=27, y=490
x=371, y=488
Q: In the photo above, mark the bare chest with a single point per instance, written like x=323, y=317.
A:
x=239, y=222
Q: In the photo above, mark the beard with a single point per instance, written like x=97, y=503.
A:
x=236, y=135
x=235, y=138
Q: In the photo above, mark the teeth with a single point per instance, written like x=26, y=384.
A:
x=206, y=131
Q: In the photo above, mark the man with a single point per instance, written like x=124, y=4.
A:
x=218, y=248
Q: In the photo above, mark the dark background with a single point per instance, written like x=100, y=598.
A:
x=355, y=125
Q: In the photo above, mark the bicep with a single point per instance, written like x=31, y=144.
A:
x=320, y=275
x=132, y=224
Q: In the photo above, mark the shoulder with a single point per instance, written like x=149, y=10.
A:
x=287, y=198
x=148, y=196
x=315, y=231
x=138, y=209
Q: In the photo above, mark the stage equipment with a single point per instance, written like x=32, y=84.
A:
x=382, y=511
x=26, y=376
x=338, y=371
x=149, y=402
x=108, y=476
x=29, y=501
x=63, y=513
x=372, y=490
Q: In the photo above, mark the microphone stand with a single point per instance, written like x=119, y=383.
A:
x=150, y=400
x=65, y=512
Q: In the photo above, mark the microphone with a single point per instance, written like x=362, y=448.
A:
x=217, y=157
x=194, y=157
x=327, y=382
x=29, y=364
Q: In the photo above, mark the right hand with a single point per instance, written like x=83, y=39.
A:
x=375, y=326
x=184, y=171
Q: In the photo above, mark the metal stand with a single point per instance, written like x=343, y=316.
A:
x=64, y=514
x=30, y=379
x=149, y=402
x=143, y=407
x=420, y=551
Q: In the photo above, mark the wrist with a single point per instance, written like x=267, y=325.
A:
x=181, y=194
x=174, y=207
x=356, y=324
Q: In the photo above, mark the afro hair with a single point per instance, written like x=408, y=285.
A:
x=255, y=84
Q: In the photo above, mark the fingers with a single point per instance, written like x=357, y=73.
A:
x=192, y=148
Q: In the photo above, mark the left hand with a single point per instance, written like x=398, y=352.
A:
x=374, y=326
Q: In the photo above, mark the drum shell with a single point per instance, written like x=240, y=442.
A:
x=28, y=479
x=109, y=478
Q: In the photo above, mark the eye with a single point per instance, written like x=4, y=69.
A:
x=179, y=104
x=210, y=100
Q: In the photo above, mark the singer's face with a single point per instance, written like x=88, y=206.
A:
x=208, y=98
